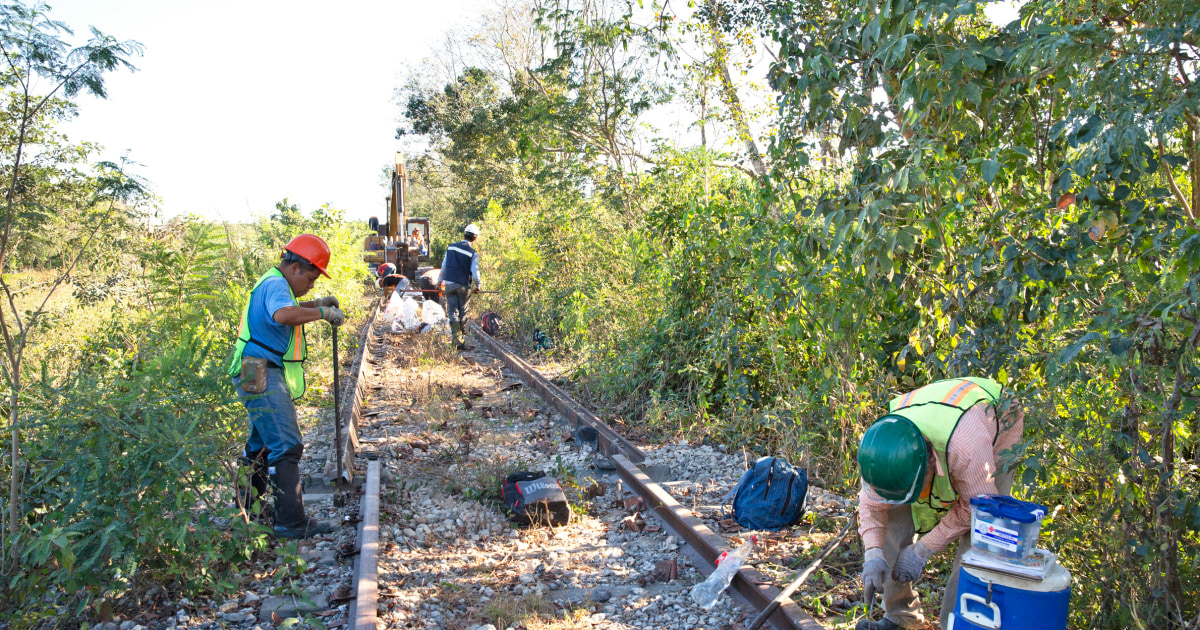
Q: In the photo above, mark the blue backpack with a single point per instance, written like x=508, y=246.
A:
x=771, y=495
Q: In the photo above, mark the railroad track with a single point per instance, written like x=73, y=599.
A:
x=362, y=610
x=752, y=587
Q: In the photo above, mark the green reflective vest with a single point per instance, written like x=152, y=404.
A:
x=293, y=357
x=936, y=410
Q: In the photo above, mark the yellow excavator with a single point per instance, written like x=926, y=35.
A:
x=393, y=241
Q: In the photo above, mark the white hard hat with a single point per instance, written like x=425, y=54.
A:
x=472, y=229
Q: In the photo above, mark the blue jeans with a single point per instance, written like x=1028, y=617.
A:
x=273, y=423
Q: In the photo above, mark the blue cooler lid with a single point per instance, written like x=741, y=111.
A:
x=1004, y=506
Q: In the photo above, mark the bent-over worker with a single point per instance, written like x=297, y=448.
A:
x=389, y=278
x=430, y=287
x=268, y=374
x=460, y=276
x=922, y=463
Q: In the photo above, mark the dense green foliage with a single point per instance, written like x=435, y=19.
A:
x=940, y=195
x=945, y=196
x=117, y=332
x=132, y=429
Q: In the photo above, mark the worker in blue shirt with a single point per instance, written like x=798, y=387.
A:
x=268, y=374
x=460, y=275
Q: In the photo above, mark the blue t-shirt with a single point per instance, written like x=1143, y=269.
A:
x=270, y=296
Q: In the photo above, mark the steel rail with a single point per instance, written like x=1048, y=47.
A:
x=753, y=586
x=610, y=442
x=362, y=614
x=369, y=346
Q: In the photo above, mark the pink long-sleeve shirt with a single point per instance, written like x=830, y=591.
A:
x=972, y=457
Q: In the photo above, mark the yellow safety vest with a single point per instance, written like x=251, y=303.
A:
x=293, y=357
x=936, y=410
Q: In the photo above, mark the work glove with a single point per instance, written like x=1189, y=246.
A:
x=875, y=570
x=910, y=564
x=328, y=301
x=333, y=315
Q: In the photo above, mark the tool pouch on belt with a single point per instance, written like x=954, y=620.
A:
x=254, y=375
x=532, y=498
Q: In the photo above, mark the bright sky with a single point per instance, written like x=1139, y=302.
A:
x=237, y=105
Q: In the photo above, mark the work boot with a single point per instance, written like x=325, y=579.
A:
x=882, y=624
x=460, y=336
x=290, y=519
x=251, y=493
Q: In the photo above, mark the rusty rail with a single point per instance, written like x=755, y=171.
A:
x=753, y=586
x=610, y=442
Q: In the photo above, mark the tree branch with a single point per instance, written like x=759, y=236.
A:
x=1165, y=170
x=720, y=58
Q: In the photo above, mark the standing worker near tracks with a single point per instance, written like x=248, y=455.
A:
x=921, y=463
x=268, y=373
x=460, y=276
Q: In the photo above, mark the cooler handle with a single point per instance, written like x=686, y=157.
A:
x=978, y=618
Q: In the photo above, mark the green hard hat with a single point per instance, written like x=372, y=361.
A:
x=893, y=458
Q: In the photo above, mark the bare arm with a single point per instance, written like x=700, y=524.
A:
x=297, y=315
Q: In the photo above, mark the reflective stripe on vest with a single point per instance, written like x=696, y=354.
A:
x=292, y=358
x=458, y=263
x=936, y=410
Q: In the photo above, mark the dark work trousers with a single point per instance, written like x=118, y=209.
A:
x=457, y=298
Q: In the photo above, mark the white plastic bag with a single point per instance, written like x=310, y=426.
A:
x=433, y=318
x=407, y=316
x=432, y=313
x=393, y=307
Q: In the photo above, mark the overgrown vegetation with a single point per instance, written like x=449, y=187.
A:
x=117, y=330
x=941, y=194
x=132, y=429
x=906, y=190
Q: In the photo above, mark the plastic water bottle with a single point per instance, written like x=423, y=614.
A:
x=705, y=594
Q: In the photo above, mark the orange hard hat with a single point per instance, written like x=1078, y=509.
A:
x=311, y=248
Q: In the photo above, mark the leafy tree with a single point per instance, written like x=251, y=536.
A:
x=1031, y=189
x=1011, y=200
x=33, y=51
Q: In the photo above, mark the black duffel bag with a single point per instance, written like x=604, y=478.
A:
x=534, y=498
